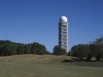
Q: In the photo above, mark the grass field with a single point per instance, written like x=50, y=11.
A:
x=47, y=66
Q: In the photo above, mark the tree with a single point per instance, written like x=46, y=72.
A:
x=69, y=53
x=93, y=49
x=98, y=53
x=59, y=51
x=37, y=48
x=98, y=40
x=11, y=48
x=98, y=48
x=101, y=51
x=20, y=49
x=90, y=53
x=80, y=51
x=27, y=48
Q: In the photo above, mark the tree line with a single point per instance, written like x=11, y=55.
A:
x=88, y=51
x=11, y=48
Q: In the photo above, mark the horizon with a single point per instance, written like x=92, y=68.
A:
x=27, y=21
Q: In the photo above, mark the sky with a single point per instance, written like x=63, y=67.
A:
x=27, y=21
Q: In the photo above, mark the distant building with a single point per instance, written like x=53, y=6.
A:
x=63, y=33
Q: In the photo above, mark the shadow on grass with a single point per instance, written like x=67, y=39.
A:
x=74, y=59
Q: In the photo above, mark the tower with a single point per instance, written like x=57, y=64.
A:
x=63, y=33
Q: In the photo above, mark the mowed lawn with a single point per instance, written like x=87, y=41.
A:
x=47, y=66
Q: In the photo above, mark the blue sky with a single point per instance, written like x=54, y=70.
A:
x=27, y=21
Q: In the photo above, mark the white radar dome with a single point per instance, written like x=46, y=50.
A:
x=63, y=19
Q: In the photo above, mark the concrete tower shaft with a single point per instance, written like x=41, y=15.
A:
x=63, y=33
